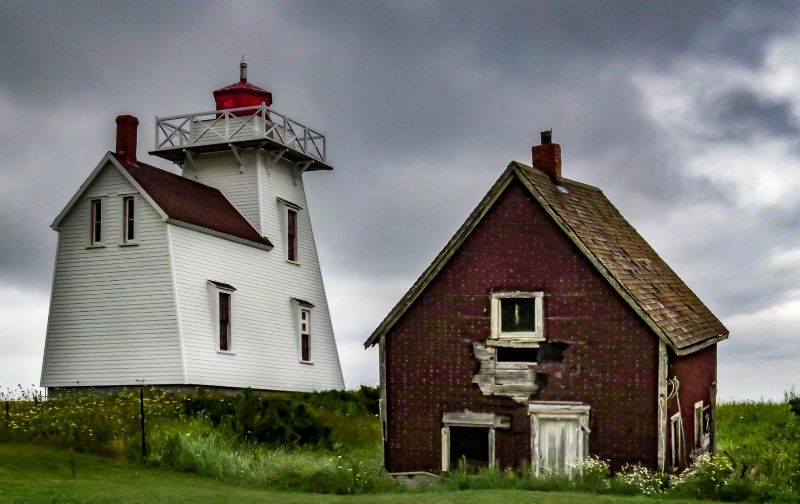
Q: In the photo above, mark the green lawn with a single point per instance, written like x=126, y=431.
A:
x=32, y=473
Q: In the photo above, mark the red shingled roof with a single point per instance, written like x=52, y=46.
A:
x=191, y=202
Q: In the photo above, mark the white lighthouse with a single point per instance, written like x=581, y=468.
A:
x=206, y=279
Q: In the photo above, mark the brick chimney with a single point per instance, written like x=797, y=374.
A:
x=127, y=126
x=547, y=157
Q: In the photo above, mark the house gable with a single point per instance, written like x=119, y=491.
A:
x=112, y=312
x=177, y=200
x=612, y=245
x=607, y=359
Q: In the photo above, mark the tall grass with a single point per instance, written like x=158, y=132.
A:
x=762, y=442
x=266, y=441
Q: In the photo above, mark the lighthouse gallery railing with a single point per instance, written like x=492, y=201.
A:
x=232, y=125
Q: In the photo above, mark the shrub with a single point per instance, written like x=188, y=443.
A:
x=593, y=475
x=635, y=479
x=293, y=419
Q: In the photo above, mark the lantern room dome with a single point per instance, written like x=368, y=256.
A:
x=241, y=94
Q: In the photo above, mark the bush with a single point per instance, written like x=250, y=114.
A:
x=292, y=419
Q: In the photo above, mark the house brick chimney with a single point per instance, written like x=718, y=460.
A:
x=127, y=127
x=547, y=157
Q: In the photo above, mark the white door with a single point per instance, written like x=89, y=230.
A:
x=559, y=448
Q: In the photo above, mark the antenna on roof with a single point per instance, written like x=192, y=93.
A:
x=243, y=70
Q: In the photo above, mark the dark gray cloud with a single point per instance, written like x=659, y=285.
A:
x=423, y=104
x=742, y=115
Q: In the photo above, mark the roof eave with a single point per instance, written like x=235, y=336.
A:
x=701, y=345
x=219, y=234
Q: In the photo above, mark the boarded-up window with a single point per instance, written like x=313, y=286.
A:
x=291, y=235
x=224, y=321
x=97, y=222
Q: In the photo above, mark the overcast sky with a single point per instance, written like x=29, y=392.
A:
x=686, y=114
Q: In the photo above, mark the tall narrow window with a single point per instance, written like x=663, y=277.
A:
x=676, y=440
x=291, y=235
x=305, y=335
x=128, y=219
x=222, y=299
x=301, y=312
x=97, y=222
x=224, y=321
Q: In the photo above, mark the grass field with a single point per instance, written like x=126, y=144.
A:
x=33, y=473
x=325, y=447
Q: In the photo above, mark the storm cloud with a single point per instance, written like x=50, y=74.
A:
x=685, y=114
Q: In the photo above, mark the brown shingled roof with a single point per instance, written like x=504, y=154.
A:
x=191, y=202
x=654, y=291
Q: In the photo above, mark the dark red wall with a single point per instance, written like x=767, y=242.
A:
x=695, y=373
x=610, y=364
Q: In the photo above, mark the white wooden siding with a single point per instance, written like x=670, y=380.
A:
x=240, y=187
x=112, y=315
x=265, y=346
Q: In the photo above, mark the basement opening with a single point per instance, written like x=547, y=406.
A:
x=471, y=443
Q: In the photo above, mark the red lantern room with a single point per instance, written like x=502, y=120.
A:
x=242, y=93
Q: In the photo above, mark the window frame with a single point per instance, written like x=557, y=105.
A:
x=676, y=428
x=702, y=429
x=93, y=221
x=299, y=307
x=126, y=220
x=537, y=335
x=216, y=290
x=467, y=418
x=287, y=207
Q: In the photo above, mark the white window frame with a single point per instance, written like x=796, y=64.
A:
x=214, y=290
x=468, y=418
x=702, y=436
x=536, y=335
x=675, y=440
x=285, y=207
x=124, y=217
x=300, y=306
x=558, y=411
x=92, y=243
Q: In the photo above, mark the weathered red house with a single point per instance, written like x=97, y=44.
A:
x=547, y=330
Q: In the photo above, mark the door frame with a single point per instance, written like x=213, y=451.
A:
x=576, y=411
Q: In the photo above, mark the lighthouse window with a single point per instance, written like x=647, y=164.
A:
x=302, y=311
x=291, y=235
x=96, y=222
x=290, y=226
x=222, y=308
x=128, y=219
